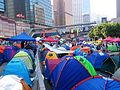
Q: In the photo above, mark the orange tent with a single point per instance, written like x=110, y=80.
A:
x=2, y=49
x=74, y=48
x=85, y=49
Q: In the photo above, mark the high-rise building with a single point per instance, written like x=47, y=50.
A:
x=59, y=9
x=86, y=11
x=2, y=6
x=62, y=12
x=118, y=8
x=17, y=9
x=41, y=12
x=77, y=11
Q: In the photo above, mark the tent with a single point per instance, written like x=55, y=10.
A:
x=87, y=65
x=116, y=59
x=43, y=55
x=108, y=66
x=22, y=37
x=17, y=67
x=50, y=66
x=68, y=73
x=116, y=40
x=74, y=48
x=97, y=58
x=97, y=83
x=25, y=57
x=9, y=52
x=57, y=51
x=85, y=49
x=112, y=48
x=51, y=55
x=108, y=39
x=116, y=75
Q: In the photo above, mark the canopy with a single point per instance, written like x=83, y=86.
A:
x=116, y=40
x=22, y=37
x=57, y=51
x=49, y=39
x=108, y=39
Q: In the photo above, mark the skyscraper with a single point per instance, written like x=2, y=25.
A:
x=59, y=9
x=17, y=7
x=77, y=11
x=86, y=11
x=118, y=8
x=41, y=12
x=2, y=6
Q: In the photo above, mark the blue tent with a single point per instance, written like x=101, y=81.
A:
x=22, y=37
x=9, y=52
x=97, y=59
x=97, y=83
x=68, y=73
x=17, y=67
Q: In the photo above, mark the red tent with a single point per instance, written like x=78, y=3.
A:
x=108, y=39
x=49, y=39
x=116, y=40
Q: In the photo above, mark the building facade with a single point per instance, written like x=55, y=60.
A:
x=17, y=9
x=118, y=8
x=86, y=11
x=59, y=9
x=41, y=12
x=62, y=12
x=77, y=11
x=2, y=6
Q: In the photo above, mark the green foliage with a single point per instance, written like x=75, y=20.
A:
x=104, y=30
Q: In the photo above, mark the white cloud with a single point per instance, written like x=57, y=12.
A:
x=103, y=8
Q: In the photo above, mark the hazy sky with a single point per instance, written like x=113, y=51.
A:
x=105, y=8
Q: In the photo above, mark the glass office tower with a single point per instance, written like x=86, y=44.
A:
x=2, y=6
x=41, y=12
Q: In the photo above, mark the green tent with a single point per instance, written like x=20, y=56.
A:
x=24, y=56
x=87, y=65
x=112, y=48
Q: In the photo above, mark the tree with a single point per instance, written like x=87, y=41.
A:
x=105, y=29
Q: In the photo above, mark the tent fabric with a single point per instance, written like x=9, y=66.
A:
x=1, y=58
x=2, y=49
x=24, y=56
x=67, y=73
x=50, y=66
x=87, y=65
x=117, y=74
x=11, y=82
x=112, y=48
x=22, y=37
x=116, y=40
x=44, y=53
x=97, y=58
x=57, y=51
x=108, y=66
x=116, y=59
x=85, y=49
x=99, y=83
x=49, y=39
x=51, y=55
x=74, y=48
x=9, y=52
x=108, y=39
x=17, y=67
